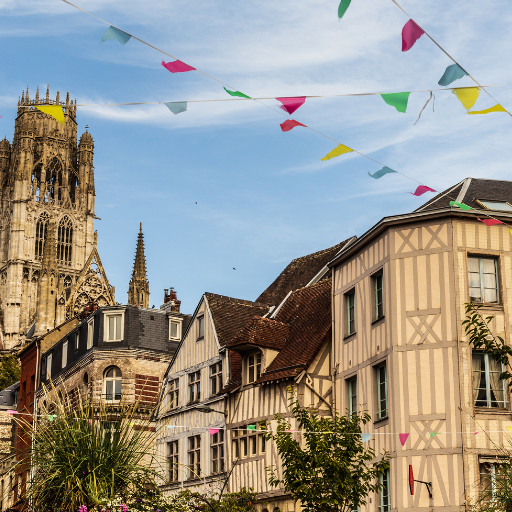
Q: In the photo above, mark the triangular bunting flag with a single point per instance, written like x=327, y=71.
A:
x=337, y=151
x=176, y=107
x=403, y=438
x=397, y=99
x=410, y=34
x=432, y=434
x=496, y=108
x=115, y=33
x=290, y=105
x=51, y=417
x=213, y=431
x=251, y=427
x=177, y=66
x=510, y=428
x=477, y=433
x=366, y=437
x=237, y=93
x=53, y=110
x=421, y=190
x=451, y=73
x=342, y=8
x=490, y=222
x=289, y=124
x=382, y=172
x=467, y=96
x=11, y=412
x=462, y=206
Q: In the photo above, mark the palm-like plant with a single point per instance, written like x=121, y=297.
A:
x=91, y=454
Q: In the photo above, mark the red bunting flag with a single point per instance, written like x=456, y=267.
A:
x=290, y=105
x=410, y=34
x=289, y=124
x=421, y=190
x=177, y=66
x=490, y=222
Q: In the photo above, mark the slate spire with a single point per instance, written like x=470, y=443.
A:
x=138, y=290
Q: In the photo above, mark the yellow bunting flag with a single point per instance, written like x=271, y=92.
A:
x=53, y=110
x=337, y=151
x=467, y=96
x=510, y=428
x=496, y=108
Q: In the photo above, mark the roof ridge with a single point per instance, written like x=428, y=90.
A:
x=242, y=302
x=314, y=285
x=321, y=251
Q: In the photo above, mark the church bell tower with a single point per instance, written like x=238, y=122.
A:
x=45, y=178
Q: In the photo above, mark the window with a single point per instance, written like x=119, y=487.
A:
x=382, y=392
x=77, y=340
x=495, y=205
x=350, y=302
x=385, y=498
x=194, y=457
x=174, y=393
x=488, y=389
x=194, y=386
x=65, y=354
x=483, y=279
x=172, y=460
x=44, y=375
x=200, y=327
x=378, y=296
x=114, y=326
x=49, y=366
x=246, y=442
x=90, y=334
x=113, y=382
x=41, y=231
x=352, y=396
x=217, y=452
x=489, y=470
x=253, y=367
x=64, y=240
x=216, y=377
x=174, y=330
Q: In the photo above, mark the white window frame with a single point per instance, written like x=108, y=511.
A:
x=201, y=321
x=351, y=294
x=375, y=278
x=502, y=404
x=77, y=340
x=49, y=359
x=256, y=365
x=173, y=460
x=194, y=456
x=382, y=413
x=174, y=393
x=113, y=380
x=481, y=275
x=217, y=453
x=216, y=377
x=90, y=333
x=194, y=387
x=352, y=393
x=178, y=322
x=106, y=331
x=65, y=346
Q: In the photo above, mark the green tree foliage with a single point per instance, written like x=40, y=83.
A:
x=331, y=470
x=9, y=371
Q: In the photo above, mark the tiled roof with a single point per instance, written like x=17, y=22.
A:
x=230, y=315
x=307, y=313
x=468, y=190
x=262, y=332
x=298, y=274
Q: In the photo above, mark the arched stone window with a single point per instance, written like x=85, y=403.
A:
x=36, y=181
x=73, y=186
x=54, y=181
x=64, y=240
x=41, y=231
x=112, y=379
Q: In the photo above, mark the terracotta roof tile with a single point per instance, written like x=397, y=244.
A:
x=299, y=273
x=262, y=332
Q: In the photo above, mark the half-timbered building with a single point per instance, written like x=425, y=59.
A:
x=400, y=351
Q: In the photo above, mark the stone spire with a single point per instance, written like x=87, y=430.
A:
x=138, y=290
x=48, y=284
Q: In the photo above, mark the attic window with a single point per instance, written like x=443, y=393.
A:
x=495, y=205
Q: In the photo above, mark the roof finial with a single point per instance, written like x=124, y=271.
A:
x=26, y=98
x=37, y=94
x=67, y=98
x=141, y=227
x=58, y=97
x=48, y=94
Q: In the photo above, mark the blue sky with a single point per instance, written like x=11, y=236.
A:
x=263, y=197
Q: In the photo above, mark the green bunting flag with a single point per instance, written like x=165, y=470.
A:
x=397, y=99
x=342, y=9
x=251, y=427
x=237, y=93
x=462, y=206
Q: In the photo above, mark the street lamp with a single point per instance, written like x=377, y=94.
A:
x=208, y=410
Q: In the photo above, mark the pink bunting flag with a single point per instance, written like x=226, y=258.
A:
x=290, y=430
x=410, y=34
x=289, y=124
x=213, y=431
x=290, y=105
x=177, y=66
x=490, y=222
x=90, y=422
x=403, y=438
x=477, y=433
x=11, y=412
x=421, y=190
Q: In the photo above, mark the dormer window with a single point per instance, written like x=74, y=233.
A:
x=114, y=326
x=174, y=329
x=495, y=205
x=253, y=367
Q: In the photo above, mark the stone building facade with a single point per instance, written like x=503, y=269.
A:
x=45, y=177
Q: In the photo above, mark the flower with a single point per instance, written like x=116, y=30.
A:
x=82, y=508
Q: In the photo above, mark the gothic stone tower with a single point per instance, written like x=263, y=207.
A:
x=138, y=289
x=45, y=176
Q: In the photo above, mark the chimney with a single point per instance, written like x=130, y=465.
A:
x=175, y=303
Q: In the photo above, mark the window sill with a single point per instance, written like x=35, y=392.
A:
x=349, y=337
x=378, y=321
x=200, y=338
x=490, y=411
x=382, y=422
x=489, y=306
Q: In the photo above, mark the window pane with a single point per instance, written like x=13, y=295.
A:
x=488, y=265
x=108, y=389
x=174, y=330
x=473, y=265
x=111, y=327
x=118, y=327
x=490, y=295
x=497, y=205
x=118, y=384
x=474, y=280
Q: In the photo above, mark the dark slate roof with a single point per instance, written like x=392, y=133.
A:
x=229, y=315
x=262, y=332
x=307, y=312
x=299, y=273
x=468, y=190
x=7, y=395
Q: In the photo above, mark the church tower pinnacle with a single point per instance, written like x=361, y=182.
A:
x=138, y=290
